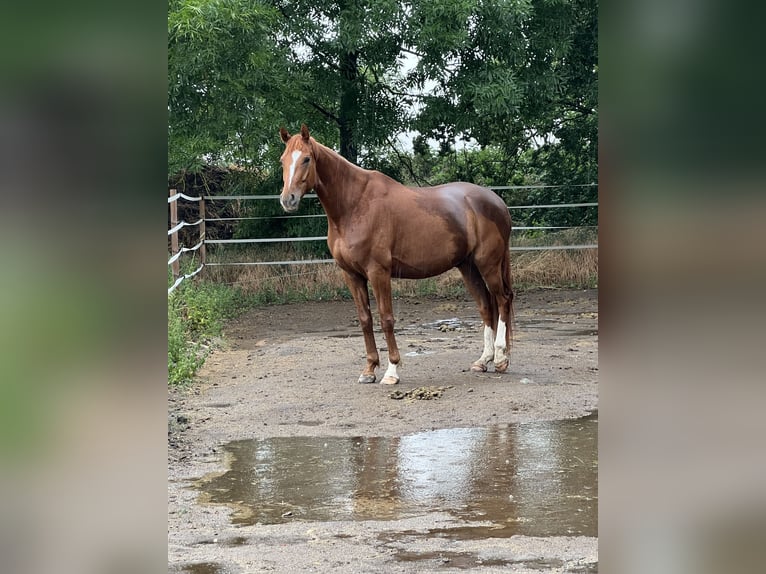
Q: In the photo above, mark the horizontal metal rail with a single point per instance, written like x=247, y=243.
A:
x=324, y=237
x=555, y=247
x=266, y=240
x=313, y=195
x=289, y=262
x=553, y=205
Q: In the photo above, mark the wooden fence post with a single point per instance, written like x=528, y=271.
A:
x=175, y=266
x=202, y=229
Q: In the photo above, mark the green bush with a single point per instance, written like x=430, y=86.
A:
x=184, y=357
x=196, y=311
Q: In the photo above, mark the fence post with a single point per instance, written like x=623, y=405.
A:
x=175, y=266
x=202, y=229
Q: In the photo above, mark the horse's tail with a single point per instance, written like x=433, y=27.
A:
x=508, y=290
x=506, y=274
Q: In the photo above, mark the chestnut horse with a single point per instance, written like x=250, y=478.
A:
x=378, y=229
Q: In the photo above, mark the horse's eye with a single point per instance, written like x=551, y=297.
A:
x=306, y=160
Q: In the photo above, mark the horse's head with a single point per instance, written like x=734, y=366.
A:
x=298, y=167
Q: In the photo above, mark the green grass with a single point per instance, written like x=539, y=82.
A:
x=196, y=312
x=199, y=307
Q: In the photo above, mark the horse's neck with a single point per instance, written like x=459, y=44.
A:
x=339, y=182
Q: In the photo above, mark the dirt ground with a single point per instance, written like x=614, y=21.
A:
x=291, y=370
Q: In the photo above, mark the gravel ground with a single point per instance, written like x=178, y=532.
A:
x=291, y=371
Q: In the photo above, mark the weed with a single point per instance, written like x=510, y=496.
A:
x=196, y=311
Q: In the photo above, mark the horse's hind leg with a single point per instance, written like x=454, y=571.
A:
x=498, y=279
x=358, y=287
x=487, y=309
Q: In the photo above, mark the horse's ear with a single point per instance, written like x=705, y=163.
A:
x=284, y=135
x=305, y=132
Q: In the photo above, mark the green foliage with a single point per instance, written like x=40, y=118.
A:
x=228, y=83
x=348, y=51
x=184, y=356
x=195, y=314
x=516, y=75
x=487, y=166
x=490, y=167
x=517, y=80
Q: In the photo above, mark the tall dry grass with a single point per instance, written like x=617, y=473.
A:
x=276, y=283
x=571, y=268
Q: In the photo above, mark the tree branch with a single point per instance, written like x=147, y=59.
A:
x=326, y=59
x=576, y=107
x=389, y=89
x=407, y=164
x=324, y=112
x=403, y=49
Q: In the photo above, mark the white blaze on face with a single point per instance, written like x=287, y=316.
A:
x=296, y=154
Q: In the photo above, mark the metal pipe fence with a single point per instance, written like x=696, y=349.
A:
x=176, y=226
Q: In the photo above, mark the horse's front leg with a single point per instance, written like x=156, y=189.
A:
x=381, y=287
x=358, y=287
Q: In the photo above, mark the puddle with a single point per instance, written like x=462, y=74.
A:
x=234, y=541
x=536, y=479
x=304, y=423
x=558, y=326
x=465, y=560
x=590, y=568
x=419, y=353
x=451, y=324
x=197, y=568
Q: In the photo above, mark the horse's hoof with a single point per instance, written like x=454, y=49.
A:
x=389, y=380
x=479, y=368
x=367, y=379
x=502, y=367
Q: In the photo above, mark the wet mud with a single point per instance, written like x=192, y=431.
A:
x=279, y=461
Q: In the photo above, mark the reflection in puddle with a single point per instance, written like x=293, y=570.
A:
x=197, y=568
x=465, y=560
x=451, y=324
x=537, y=479
x=418, y=353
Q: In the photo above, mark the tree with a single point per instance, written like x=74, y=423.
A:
x=228, y=82
x=518, y=75
x=349, y=52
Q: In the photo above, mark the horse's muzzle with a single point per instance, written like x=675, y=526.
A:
x=290, y=203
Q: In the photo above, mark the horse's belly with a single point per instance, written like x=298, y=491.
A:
x=427, y=255
x=420, y=268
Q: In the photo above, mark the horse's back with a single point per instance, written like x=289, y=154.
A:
x=463, y=190
x=482, y=201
